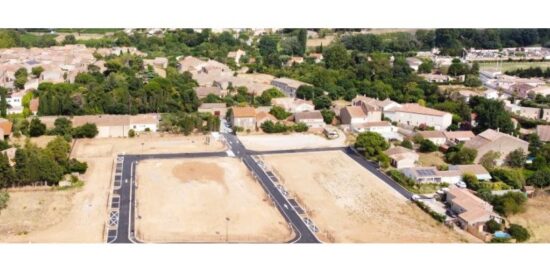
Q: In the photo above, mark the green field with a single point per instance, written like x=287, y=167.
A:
x=507, y=66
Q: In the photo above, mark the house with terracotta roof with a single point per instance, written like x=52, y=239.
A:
x=492, y=140
x=472, y=211
x=263, y=116
x=401, y=157
x=458, y=136
x=5, y=128
x=353, y=115
x=413, y=114
x=543, y=131
x=244, y=117
x=313, y=119
x=293, y=105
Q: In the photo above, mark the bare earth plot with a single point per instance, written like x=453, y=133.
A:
x=290, y=141
x=351, y=205
x=79, y=215
x=536, y=218
x=203, y=200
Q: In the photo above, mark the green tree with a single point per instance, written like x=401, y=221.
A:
x=88, y=130
x=37, y=71
x=491, y=115
x=300, y=127
x=20, y=78
x=427, y=146
x=3, y=101
x=462, y=157
x=471, y=181
x=62, y=126
x=513, y=177
x=7, y=177
x=509, y=203
x=493, y=226
x=36, y=127
x=516, y=158
x=407, y=144
x=541, y=178
x=322, y=102
x=336, y=56
x=371, y=143
x=519, y=233
x=4, y=198
x=488, y=160
x=279, y=112
x=69, y=39
x=328, y=115
x=267, y=95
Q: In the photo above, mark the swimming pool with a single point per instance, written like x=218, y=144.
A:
x=501, y=234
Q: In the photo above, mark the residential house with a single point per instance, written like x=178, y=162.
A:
x=491, y=140
x=458, y=136
x=293, y=105
x=15, y=102
x=413, y=62
x=521, y=89
x=287, y=86
x=5, y=128
x=543, y=131
x=317, y=57
x=119, y=125
x=313, y=119
x=401, y=157
x=244, y=117
x=384, y=128
x=353, y=115
x=539, y=90
x=435, y=136
x=217, y=109
x=413, y=114
x=472, y=211
x=159, y=65
x=203, y=92
x=263, y=116
x=435, y=78
x=236, y=55
x=384, y=105
x=451, y=176
x=294, y=60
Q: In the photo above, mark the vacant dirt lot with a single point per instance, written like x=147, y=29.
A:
x=145, y=144
x=202, y=200
x=536, y=218
x=351, y=205
x=290, y=141
x=79, y=215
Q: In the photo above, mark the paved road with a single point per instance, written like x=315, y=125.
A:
x=124, y=194
x=123, y=198
x=373, y=168
x=303, y=233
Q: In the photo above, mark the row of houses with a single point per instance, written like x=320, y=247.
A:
x=533, y=113
x=60, y=63
x=249, y=118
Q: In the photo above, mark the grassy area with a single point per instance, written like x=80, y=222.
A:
x=507, y=66
x=431, y=159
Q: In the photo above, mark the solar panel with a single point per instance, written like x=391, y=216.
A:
x=426, y=172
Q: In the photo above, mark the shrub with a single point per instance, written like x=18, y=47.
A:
x=300, y=127
x=427, y=146
x=131, y=133
x=77, y=166
x=509, y=203
x=36, y=128
x=4, y=197
x=407, y=144
x=519, y=233
x=493, y=226
x=439, y=217
x=87, y=130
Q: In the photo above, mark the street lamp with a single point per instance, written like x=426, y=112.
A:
x=227, y=229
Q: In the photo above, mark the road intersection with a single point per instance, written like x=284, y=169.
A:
x=121, y=221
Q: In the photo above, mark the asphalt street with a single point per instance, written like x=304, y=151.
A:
x=121, y=216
